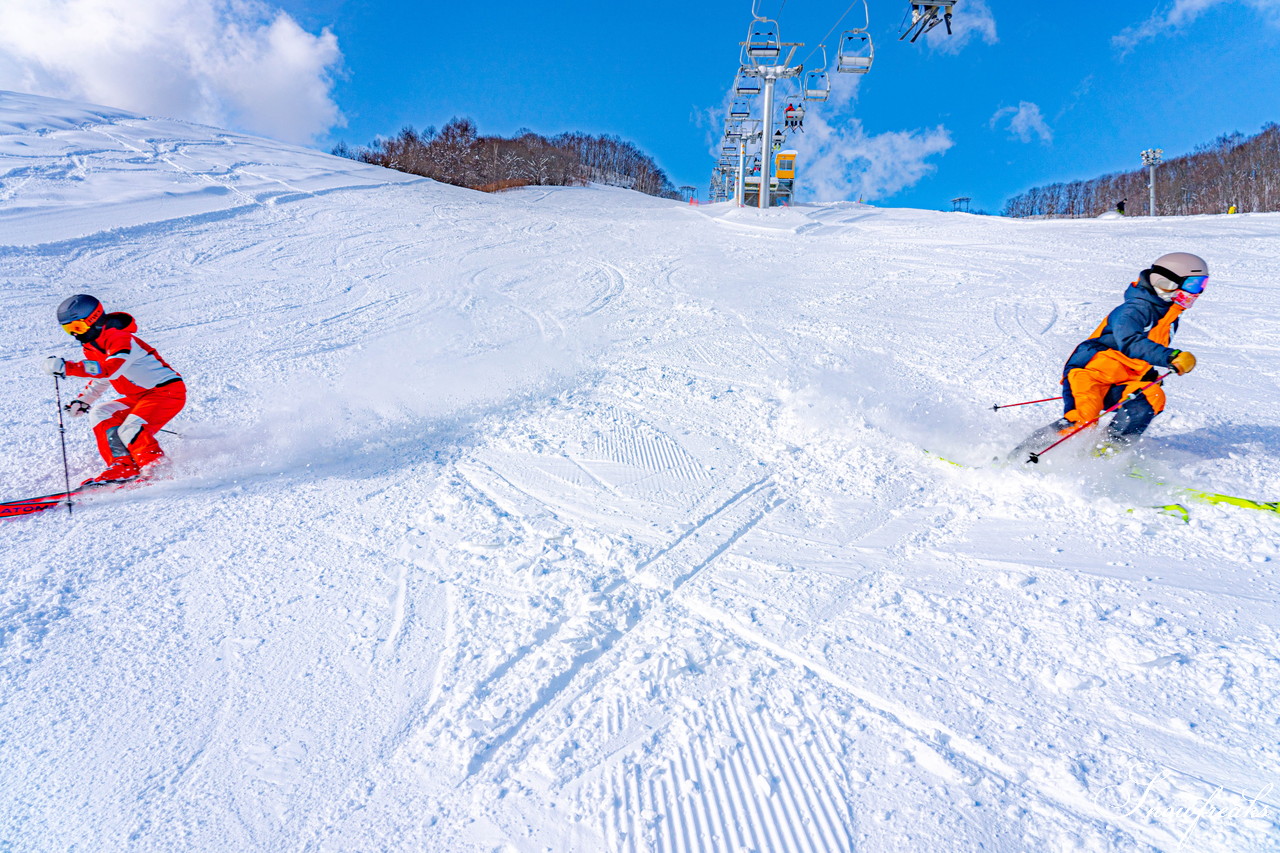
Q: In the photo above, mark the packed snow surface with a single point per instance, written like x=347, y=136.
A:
x=578, y=520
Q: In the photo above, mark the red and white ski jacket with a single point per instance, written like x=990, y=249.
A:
x=119, y=359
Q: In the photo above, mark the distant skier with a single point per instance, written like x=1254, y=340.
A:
x=151, y=392
x=1120, y=357
x=1120, y=206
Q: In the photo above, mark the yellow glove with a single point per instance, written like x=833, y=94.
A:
x=1183, y=362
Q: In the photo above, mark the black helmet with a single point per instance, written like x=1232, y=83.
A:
x=78, y=314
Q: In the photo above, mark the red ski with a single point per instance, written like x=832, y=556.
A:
x=33, y=506
x=30, y=507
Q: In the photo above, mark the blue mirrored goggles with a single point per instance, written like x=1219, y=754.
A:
x=1194, y=283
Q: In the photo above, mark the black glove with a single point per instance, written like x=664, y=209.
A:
x=77, y=408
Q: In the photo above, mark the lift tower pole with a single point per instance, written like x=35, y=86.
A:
x=770, y=74
x=766, y=142
x=742, y=171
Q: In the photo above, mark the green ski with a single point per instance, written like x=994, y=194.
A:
x=1196, y=495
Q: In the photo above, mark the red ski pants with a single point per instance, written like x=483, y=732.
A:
x=128, y=426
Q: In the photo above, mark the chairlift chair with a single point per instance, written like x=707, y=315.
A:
x=763, y=41
x=740, y=109
x=856, y=52
x=747, y=85
x=817, y=86
x=856, y=49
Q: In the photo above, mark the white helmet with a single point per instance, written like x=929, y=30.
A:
x=1179, y=277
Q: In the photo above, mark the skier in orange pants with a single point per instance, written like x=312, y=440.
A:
x=1120, y=357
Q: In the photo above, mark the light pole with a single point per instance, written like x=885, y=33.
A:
x=1151, y=158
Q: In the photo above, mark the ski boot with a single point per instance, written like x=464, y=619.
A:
x=1039, y=440
x=121, y=470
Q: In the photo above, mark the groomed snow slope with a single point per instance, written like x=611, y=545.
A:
x=579, y=520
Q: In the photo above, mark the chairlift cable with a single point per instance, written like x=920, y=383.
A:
x=834, y=27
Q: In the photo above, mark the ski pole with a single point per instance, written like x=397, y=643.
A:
x=1035, y=457
x=62, y=435
x=998, y=407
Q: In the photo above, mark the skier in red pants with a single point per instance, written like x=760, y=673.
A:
x=151, y=392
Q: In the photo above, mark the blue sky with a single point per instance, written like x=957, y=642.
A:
x=1024, y=94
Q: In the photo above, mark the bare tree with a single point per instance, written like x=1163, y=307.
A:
x=1232, y=171
x=458, y=155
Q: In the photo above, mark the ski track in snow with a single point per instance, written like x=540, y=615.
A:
x=574, y=519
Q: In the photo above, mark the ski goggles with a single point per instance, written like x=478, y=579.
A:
x=1190, y=283
x=1194, y=284
x=79, y=327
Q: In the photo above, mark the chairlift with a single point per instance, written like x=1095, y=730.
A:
x=856, y=52
x=763, y=41
x=747, y=85
x=817, y=86
x=740, y=109
x=925, y=16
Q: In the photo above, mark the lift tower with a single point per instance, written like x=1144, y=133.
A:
x=756, y=54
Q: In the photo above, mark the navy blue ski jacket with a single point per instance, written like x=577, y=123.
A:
x=1141, y=328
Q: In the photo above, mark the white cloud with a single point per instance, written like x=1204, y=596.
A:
x=970, y=19
x=839, y=160
x=1024, y=121
x=229, y=63
x=1180, y=13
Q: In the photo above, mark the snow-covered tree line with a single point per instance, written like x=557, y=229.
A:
x=458, y=155
x=1231, y=170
